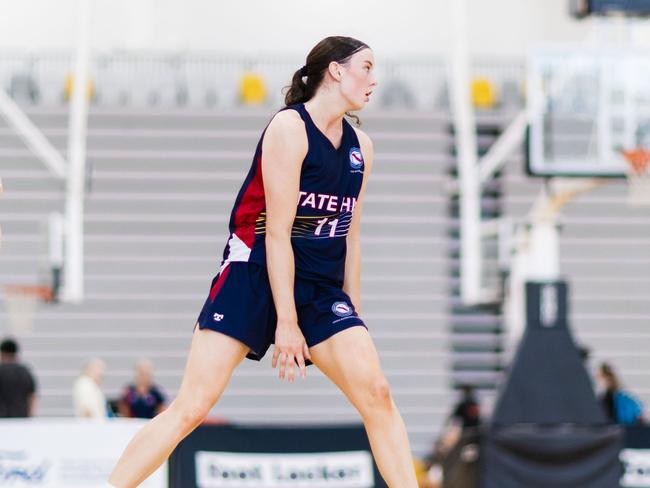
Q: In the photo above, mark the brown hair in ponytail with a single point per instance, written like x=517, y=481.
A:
x=334, y=48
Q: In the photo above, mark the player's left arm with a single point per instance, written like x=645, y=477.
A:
x=352, y=280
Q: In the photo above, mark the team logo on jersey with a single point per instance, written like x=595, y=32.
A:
x=356, y=158
x=342, y=309
x=218, y=317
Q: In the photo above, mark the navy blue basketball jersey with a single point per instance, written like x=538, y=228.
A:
x=330, y=181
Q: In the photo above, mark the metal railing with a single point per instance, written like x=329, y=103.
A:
x=211, y=80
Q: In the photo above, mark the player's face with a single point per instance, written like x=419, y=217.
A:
x=358, y=79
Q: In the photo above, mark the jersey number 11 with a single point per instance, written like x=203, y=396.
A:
x=324, y=221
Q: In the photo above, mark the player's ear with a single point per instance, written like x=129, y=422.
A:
x=334, y=69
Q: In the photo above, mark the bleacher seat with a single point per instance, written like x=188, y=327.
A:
x=252, y=90
x=483, y=93
x=68, y=87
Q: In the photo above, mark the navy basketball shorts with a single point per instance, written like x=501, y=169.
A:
x=240, y=305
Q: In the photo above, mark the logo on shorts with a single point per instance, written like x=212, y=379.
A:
x=342, y=309
x=356, y=159
x=217, y=317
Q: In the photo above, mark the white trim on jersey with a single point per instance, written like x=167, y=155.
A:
x=237, y=251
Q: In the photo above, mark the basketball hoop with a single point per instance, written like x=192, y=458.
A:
x=21, y=302
x=638, y=175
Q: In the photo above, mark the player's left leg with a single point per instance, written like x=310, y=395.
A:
x=350, y=360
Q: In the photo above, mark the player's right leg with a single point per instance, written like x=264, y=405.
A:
x=212, y=358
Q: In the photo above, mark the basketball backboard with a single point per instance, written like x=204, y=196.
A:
x=585, y=107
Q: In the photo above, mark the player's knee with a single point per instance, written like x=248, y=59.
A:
x=377, y=396
x=381, y=392
x=192, y=412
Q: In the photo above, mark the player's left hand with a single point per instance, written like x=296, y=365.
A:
x=290, y=349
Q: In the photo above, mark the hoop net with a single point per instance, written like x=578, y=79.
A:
x=638, y=175
x=21, y=302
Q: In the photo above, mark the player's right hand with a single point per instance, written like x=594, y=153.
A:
x=290, y=348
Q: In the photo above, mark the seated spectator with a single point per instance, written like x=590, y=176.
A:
x=142, y=398
x=620, y=406
x=17, y=384
x=89, y=400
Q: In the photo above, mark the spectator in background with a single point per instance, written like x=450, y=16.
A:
x=89, y=400
x=17, y=384
x=468, y=410
x=456, y=450
x=620, y=406
x=142, y=399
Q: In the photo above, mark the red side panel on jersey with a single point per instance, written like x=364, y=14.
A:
x=251, y=205
x=219, y=283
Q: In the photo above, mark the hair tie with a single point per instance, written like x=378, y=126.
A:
x=303, y=71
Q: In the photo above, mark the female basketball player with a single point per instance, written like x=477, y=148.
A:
x=294, y=230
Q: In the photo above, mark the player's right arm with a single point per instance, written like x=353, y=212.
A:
x=283, y=151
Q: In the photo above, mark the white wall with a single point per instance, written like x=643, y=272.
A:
x=392, y=28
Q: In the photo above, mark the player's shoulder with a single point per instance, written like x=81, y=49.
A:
x=287, y=120
x=364, y=139
x=286, y=133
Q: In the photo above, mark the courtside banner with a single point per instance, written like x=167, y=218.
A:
x=636, y=457
x=65, y=453
x=336, y=469
x=227, y=456
x=636, y=463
